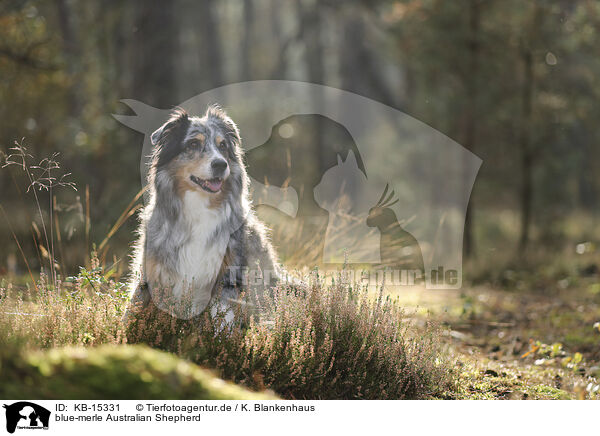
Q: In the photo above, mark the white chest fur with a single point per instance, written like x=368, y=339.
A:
x=201, y=256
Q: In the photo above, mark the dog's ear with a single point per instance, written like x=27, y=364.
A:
x=216, y=112
x=156, y=135
x=168, y=139
x=179, y=120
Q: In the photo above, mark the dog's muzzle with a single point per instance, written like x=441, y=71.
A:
x=213, y=185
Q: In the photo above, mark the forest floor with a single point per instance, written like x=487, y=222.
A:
x=518, y=345
x=505, y=344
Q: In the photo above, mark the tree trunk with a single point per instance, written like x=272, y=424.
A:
x=247, y=45
x=471, y=81
x=211, y=42
x=156, y=43
x=71, y=51
x=360, y=70
x=525, y=146
x=310, y=20
x=525, y=141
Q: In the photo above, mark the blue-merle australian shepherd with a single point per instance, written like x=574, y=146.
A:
x=198, y=234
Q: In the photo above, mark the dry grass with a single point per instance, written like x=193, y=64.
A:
x=86, y=310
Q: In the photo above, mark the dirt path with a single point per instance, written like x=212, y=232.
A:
x=518, y=345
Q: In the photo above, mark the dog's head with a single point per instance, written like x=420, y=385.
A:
x=199, y=154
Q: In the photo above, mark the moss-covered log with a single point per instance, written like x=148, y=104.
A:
x=111, y=372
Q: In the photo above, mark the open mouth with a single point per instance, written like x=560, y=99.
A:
x=209, y=185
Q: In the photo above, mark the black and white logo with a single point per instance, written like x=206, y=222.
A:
x=26, y=415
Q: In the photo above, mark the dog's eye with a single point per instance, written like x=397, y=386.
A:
x=194, y=144
x=223, y=145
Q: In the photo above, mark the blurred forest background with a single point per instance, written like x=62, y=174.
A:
x=516, y=82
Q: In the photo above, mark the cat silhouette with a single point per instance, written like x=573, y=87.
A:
x=346, y=193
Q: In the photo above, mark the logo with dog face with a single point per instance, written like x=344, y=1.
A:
x=340, y=178
x=26, y=415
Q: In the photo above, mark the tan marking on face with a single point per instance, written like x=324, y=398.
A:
x=182, y=169
x=200, y=137
x=181, y=172
x=219, y=139
x=181, y=176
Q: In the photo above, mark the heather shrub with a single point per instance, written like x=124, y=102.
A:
x=310, y=342
x=315, y=342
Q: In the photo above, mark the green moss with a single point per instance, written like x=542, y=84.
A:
x=111, y=372
x=492, y=380
x=582, y=339
x=549, y=393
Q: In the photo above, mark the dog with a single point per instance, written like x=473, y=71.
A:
x=198, y=236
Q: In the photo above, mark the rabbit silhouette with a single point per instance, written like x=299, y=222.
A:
x=399, y=249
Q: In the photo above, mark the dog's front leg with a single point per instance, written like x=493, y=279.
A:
x=226, y=293
x=139, y=301
x=224, y=306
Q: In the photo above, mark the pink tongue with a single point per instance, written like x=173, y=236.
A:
x=214, y=185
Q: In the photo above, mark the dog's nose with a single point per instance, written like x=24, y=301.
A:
x=218, y=165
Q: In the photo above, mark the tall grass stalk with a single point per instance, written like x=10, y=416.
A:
x=41, y=176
